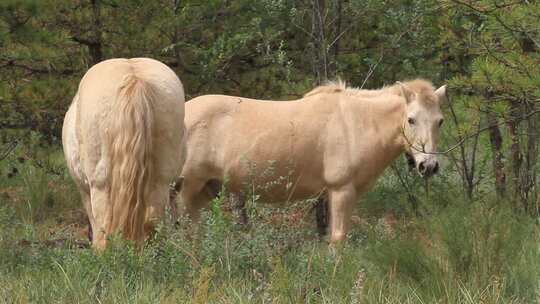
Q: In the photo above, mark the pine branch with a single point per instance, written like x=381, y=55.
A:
x=10, y=149
x=12, y=63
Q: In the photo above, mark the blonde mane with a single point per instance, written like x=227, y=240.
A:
x=419, y=86
x=330, y=87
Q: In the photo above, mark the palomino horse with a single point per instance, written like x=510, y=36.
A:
x=336, y=140
x=123, y=139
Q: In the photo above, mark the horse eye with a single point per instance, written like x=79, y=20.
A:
x=441, y=122
x=411, y=121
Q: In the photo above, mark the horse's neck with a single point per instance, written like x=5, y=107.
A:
x=383, y=117
x=378, y=137
x=394, y=116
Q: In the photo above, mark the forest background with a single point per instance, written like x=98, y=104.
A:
x=473, y=227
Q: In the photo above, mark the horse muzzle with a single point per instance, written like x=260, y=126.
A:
x=428, y=168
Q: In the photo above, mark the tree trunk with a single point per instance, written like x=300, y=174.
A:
x=465, y=169
x=496, y=141
x=320, y=58
x=95, y=47
x=529, y=174
x=335, y=44
x=515, y=149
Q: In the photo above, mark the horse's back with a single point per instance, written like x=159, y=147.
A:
x=214, y=108
x=100, y=84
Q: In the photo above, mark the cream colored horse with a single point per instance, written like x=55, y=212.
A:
x=336, y=140
x=123, y=139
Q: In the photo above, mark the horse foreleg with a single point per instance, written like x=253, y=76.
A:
x=340, y=201
x=321, y=214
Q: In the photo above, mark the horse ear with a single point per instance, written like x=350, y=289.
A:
x=406, y=91
x=441, y=94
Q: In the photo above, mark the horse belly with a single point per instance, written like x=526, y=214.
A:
x=278, y=185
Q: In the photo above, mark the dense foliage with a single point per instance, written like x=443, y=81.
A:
x=486, y=50
x=467, y=236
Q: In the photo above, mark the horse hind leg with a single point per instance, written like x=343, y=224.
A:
x=85, y=197
x=89, y=233
x=101, y=212
x=238, y=204
x=194, y=196
x=237, y=201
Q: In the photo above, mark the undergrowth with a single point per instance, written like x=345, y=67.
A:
x=445, y=251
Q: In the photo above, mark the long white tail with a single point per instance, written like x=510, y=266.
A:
x=130, y=155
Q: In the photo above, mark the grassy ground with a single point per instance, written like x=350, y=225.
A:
x=448, y=252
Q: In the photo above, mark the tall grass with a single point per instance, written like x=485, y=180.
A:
x=451, y=252
x=466, y=253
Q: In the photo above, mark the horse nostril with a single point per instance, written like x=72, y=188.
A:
x=421, y=167
x=436, y=168
x=410, y=161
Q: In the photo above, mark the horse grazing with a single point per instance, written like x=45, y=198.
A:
x=334, y=141
x=123, y=139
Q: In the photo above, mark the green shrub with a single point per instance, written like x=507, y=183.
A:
x=464, y=253
x=445, y=251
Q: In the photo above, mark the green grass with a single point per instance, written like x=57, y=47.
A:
x=451, y=252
